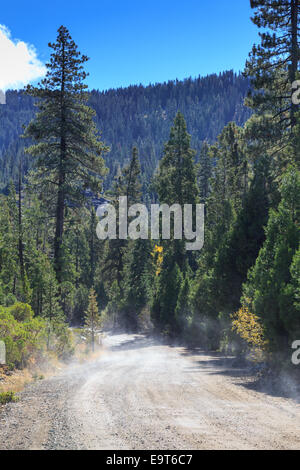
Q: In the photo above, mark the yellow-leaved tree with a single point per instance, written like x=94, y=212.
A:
x=247, y=325
x=158, y=255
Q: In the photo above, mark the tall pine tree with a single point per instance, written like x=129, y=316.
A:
x=176, y=183
x=67, y=149
x=273, y=67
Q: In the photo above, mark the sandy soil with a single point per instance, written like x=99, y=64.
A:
x=143, y=395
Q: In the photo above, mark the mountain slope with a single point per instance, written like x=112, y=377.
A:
x=137, y=115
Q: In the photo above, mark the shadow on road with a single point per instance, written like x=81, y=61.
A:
x=281, y=384
x=135, y=342
x=244, y=374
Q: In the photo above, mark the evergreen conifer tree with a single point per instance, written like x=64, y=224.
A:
x=67, y=148
x=92, y=318
x=273, y=67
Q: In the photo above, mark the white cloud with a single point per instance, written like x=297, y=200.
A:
x=19, y=64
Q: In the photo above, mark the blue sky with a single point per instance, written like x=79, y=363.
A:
x=139, y=41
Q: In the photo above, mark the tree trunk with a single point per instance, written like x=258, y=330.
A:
x=92, y=248
x=93, y=336
x=50, y=318
x=77, y=261
x=294, y=53
x=21, y=255
x=60, y=210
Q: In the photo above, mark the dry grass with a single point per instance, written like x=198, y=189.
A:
x=82, y=351
x=83, y=354
x=15, y=381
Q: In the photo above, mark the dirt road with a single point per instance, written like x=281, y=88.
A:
x=143, y=395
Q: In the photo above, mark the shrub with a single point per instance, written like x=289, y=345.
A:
x=8, y=397
x=24, y=339
x=248, y=327
x=21, y=312
x=62, y=341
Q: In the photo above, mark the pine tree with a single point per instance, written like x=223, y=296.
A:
x=269, y=281
x=293, y=290
x=127, y=183
x=137, y=277
x=183, y=307
x=118, y=265
x=176, y=180
x=165, y=297
x=216, y=262
x=204, y=172
x=228, y=188
x=176, y=183
x=139, y=116
x=92, y=243
x=92, y=318
x=239, y=249
x=273, y=67
x=67, y=149
x=131, y=177
x=51, y=309
x=9, y=263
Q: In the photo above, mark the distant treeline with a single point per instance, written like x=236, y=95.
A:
x=136, y=115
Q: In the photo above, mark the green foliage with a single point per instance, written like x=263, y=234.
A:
x=273, y=67
x=176, y=179
x=92, y=318
x=67, y=149
x=126, y=263
x=24, y=335
x=294, y=288
x=271, y=285
x=230, y=212
x=183, y=307
x=80, y=303
x=21, y=312
x=250, y=263
x=176, y=183
x=165, y=296
x=8, y=397
x=127, y=183
x=136, y=115
x=62, y=340
x=205, y=169
x=137, y=281
x=8, y=244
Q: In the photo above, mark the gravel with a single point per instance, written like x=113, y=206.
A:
x=143, y=395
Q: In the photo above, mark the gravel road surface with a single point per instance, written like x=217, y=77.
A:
x=143, y=395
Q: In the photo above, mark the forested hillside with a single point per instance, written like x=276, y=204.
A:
x=139, y=116
x=241, y=292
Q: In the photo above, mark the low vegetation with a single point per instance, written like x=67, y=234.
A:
x=8, y=397
x=26, y=337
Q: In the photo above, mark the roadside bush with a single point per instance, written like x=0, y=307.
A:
x=8, y=397
x=21, y=312
x=144, y=320
x=63, y=342
x=25, y=338
x=247, y=326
